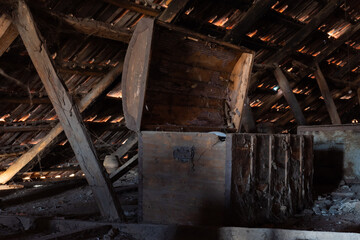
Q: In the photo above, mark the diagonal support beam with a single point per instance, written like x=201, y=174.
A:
x=8, y=33
x=329, y=102
x=57, y=130
x=174, y=8
x=68, y=114
x=289, y=96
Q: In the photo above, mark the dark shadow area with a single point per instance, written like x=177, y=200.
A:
x=328, y=168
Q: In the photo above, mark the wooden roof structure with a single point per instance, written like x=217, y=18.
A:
x=306, y=68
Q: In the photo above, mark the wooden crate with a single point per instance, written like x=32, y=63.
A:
x=271, y=176
x=176, y=80
x=184, y=178
x=190, y=178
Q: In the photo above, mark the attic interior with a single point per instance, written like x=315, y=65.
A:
x=179, y=119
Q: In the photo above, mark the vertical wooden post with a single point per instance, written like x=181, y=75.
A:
x=289, y=96
x=329, y=102
x=68, y=114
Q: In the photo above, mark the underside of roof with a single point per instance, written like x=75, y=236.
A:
x=87, y=39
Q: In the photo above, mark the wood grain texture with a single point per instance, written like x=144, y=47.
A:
x=176, y=192
x=179, y=78
x=271, y=177
x=68, y=114
x=8, y=33
x=135, y=73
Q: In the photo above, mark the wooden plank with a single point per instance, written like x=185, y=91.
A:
x=135, y=73
x=240, y=76
x=123, y=169
x=289, y=96
x=10, y=187
x=293, y=43
x=174, y=8
x=94, y=28
x=255, y=12
x=68, y=114
x=325, y=92
x=123, y=149
x=183, y=178
x=57, y=130
x=134, y=7
x=8, y=33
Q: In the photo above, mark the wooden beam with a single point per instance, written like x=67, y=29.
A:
x=174, y=8
x=255, y=12
x=329, y=102
x=68, y=114
x=304, y=32
x=8, y=33
x=248, y=121
x=94, y=28
x=337, y=42
x=123, y=169
x=289, y=96
x=134, y=7
x=123, y=149
x=297, y=38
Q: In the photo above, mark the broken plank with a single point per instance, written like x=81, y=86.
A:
x=68, y=114
x=325, y=92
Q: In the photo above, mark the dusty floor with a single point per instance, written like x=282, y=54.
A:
x=336, y=211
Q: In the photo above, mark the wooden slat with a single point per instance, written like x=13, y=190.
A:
x=123, y=169
x=289, y=96
x=95, y=28
x=174, y=8
x=68, y=114
x=256, y=11
x=8, y=33
x=134, y=7
x=123, y=149
x=325, y=92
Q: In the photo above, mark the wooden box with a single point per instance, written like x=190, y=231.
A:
x=271, y=176
x=184, y=178
x=201, y=179
x=176, y=80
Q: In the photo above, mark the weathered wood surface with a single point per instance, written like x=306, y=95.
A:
x=68, y=114
x=190, y=81
x=289, y=96
x=45, y=142
x=8, y=33
x=271, y=176
x=248, y=121
x=187, y=189
x=325, y=92
x=174, y=8
x=94, y=28
x=136, y=66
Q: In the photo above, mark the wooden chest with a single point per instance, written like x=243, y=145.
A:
x=176, y=80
